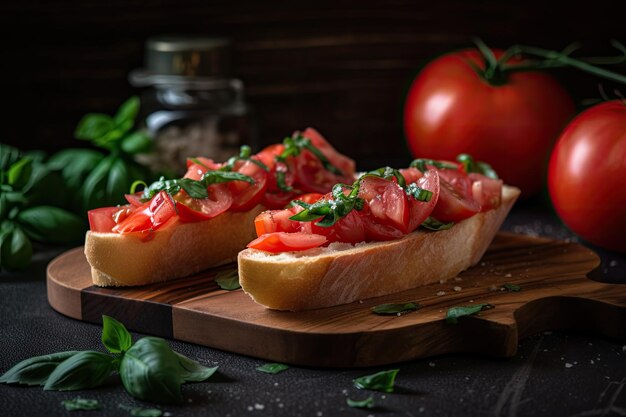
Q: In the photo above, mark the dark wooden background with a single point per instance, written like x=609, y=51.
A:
x=341, y=66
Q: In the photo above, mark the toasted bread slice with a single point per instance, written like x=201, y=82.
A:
x=176, y=251
x=343, y=273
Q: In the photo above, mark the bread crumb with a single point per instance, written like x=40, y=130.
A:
x=457, y=288
x=493, y=288
x=458, y=279
x=440, y=293
x=508, y=275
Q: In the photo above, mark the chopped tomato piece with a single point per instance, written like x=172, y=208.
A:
x=411, y=174
x=101, y=219
x=311, y=176
x=278, y=200
x=287, y=242
x=150, y=216
x=454, y=205
x=420, y=210
x=309, y=198
x=196, y=167
x=271, y=221
x=246, y=195
x=486, y=191
x=218, y=201
x=348, y=229
x=134, y=199
x=387, y=201
x=376, y=231
x=346, y=165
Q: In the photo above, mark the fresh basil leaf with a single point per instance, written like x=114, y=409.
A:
x=16, y=249
x=86, y=369
x=512, y=287
x=195, y=189
x=110, y=139
x=46, y=187
x=395, y=309
x=272, y=368
x=366, y=403
x=433, y=224
x=388, y=173
x=75, y=165
x=151, y=371
x=381, y=381
x=8, y=156
x=418, y=193
x=5, y=206
x=193, y=371
x=36, y=370
x=52, y=225
x=137, y=142
x=146, y=412
x=454, y=313
x=127, y=112
x=81, y=404
x=118, y=182
x=19, y=173
x=228, y=280
x=281, y=181
x=115, y=337
x=470, y=165
x=94, y=126
x=217, y=177
x=93, y=189
x=37, y=156
x=425, y=164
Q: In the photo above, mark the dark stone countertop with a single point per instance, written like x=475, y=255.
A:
x=553, y=374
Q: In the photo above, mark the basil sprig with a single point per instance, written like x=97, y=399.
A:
x=470, y=165
x=149, y=369
x=330, y=211
x=195, y=188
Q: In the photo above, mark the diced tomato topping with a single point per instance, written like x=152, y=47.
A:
x=486, y=191
x=246, y=195
x=134, y=199
x=421, y=210
x=346, y=165
x=453, y=204
x=277, y=221
x=387, y=201
x=150, y=216
x=411, y=174
x=101, y=219
x=348, y=229
x=311, y=176
x=286, y=242
x=219, y=200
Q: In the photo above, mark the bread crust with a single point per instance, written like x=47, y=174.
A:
x=179, y=250
x=341, y=274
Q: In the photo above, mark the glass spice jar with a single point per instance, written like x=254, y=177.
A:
x=191, y=103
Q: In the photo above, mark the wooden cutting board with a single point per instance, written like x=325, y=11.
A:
x=555, y=294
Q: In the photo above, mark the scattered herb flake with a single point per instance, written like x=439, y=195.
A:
x=81, y=404
x=454, y=313
x=382, y=381
x=146, y=412
x=512, y=287
x=228, y=280
x=366, y=403
x=395, y=309
x=272, y=368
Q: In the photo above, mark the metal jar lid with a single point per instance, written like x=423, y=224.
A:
x=170, y=58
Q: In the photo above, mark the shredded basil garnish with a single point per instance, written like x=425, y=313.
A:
x=422, y=164
x=195, y=188
x=418, y=193
x=366, y=403
x=470, y=165
x=512, y=287
x=433, y=224
x=245, y=153
x=228, y=280
x=381, y=381
x=330, y=211
x=272, y=368
x=388, y=173
x=83, y=404
x=294, y=145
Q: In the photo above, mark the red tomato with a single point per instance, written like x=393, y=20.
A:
x=246, y=195
x=151, y=216
x=387, y=202
x=101, y=219
x=278, y=200
x=286, y=242
x=134, y=199
x=451, y=109
x=376, y=231
x=311, y=176
x=420, y=210
x=411, y=175
x=586, y=175
x=346, y=165
x=310, y=198
x=196, y=167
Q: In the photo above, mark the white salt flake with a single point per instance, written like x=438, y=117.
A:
x=613, y=263
x=440, y=293
x=258, y=406
x=568, y=365
x=431, y=364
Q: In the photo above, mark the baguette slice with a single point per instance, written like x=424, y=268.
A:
x=342, y=273
x=176, y=251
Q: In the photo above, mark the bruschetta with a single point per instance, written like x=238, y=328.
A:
x=174, y=228
x=389, y=231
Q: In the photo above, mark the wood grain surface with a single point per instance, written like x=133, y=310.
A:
x=555, y=294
